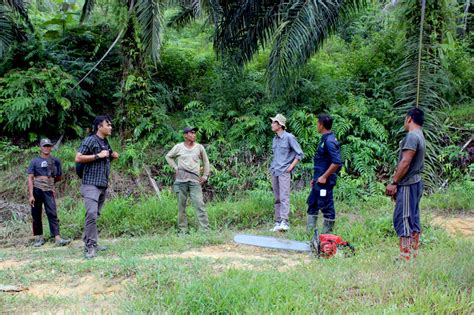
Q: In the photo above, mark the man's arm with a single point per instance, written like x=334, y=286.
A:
x=295, y=146
x=336, y=162
x=331, y=170
x=402, y=169
x=59, y=174
x=207, y=167
x=81, y=158
x=170, y=156
x=31, y=197
x=84, y=155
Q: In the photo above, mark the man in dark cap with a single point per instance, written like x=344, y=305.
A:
x=188, y=180
x=43, y=172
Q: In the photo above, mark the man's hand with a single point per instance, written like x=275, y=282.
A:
x=115, y=155
x=311, y=183
x=322, y=180
x=32, y=201
x=391, y=190
x=202, y=180
x=103, y=154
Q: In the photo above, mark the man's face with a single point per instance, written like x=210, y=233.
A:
x=46, y=150
x=106, y=128
x=190, y=136
x=320, y=127
x=275, y=126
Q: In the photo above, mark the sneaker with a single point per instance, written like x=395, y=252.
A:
x=276, y=227
x=284, y=226
x=90, y=252
x=62, y=242
x=38, y=243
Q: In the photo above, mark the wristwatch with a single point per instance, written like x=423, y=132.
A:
x=96, y=156
x=394, y=183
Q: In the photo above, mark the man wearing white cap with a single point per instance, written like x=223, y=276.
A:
x=286, y=154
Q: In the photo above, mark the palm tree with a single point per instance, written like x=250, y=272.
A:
x=12, y=12
x=421, y=77
x=293, y=30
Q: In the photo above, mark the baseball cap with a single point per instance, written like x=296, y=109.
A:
x=45, y=142
x=189, y=129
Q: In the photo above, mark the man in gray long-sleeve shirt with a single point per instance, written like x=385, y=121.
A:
x=286, y=154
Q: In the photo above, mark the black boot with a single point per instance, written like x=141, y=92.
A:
x=311, y=223
x=327, y=226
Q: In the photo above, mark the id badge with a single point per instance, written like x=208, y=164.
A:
x=322, y=193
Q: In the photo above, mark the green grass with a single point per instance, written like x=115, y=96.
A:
x=157, y=271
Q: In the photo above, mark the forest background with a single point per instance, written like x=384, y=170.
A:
x=177, y=65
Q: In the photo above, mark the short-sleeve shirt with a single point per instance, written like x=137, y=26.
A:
x=41, y=167
x=97, y=172
x=328, y=153
x=414, y=140
x=285, y=150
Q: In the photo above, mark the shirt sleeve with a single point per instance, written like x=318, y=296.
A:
x=334, y=153
x=31, y=168
x=411, y=142
x=59, y=170
x=205, y=161
x=295, y=146
x=86, y=146
x=171, y=155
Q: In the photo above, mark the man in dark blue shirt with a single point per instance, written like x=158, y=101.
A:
x=96, y=153
x=327, y=162
x=43, y=172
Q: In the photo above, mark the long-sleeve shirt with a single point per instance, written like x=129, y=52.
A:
x=189, y=162
x=285, y=150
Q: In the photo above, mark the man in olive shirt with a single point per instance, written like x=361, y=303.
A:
x=407, y=185
x=286, y=154
x=188, y=181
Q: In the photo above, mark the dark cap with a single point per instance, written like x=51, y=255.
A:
x=189, y=129
x=45, y=142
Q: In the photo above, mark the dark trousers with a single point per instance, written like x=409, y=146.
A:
x=325, y=204
x=406, y=216
x=46, y=198
x=94, y=198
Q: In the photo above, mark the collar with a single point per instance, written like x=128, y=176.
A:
x=281, y=135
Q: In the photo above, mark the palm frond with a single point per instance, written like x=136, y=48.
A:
x=182, y=17
x=87, y=9
x=245, y=26
x=18, y=6
x=302, y=31
x=421, y=81
x=6, y=25
x=295, y=29
x=149, y=19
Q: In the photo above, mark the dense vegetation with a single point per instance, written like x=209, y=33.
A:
x=155, y=81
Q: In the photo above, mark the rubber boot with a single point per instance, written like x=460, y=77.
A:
x=405, y=248
x=311, y=223
x=328, y=225
x=415, y=243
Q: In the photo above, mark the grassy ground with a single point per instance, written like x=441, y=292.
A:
x=160, y=272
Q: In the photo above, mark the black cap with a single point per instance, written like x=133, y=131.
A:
x=45, y=142
x=189, y=129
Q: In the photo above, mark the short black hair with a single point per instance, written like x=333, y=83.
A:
x=417, y=115
x=325, y=120
x=99, y=120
